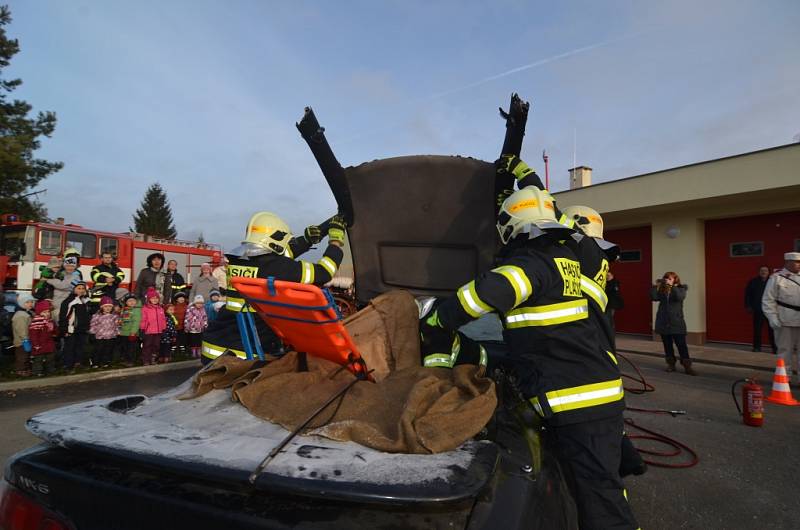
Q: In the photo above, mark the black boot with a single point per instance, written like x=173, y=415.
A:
x=670, y=364
x=631, y=462
x=687, y=366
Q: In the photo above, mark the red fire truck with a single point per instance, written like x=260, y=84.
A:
x=26, y=245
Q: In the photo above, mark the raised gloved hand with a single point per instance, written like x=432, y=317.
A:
x=313, y=234
x=524, y=174
x=336, y=231
x=512, y=164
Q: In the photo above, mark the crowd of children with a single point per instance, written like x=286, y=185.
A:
x=154, y=331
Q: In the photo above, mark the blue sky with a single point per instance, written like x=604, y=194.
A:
x=203, y=96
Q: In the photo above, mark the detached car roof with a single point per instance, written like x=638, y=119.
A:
x=423, y=223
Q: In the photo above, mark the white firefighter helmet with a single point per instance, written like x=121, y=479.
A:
x=529, y=210
x=591, y=223
x=266, y=233
x=587, y=219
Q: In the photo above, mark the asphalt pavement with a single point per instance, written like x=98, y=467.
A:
x=745, y=477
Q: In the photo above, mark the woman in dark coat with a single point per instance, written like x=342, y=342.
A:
x=173, y=282
x=151, y=276
x=670, y=324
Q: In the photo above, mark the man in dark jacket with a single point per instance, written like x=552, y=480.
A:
x=106, y=276
x=173, y=281
x=752, y=303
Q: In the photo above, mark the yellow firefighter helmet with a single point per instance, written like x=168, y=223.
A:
x=529, y=210
x=587, y=219
x=266, y=232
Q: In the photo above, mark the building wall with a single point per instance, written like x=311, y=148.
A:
x=635, y=278
x=727, y=276
x=684, y=255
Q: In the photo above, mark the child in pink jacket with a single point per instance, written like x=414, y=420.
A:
x=195, y=323
x=152, y=325
x=105, y=328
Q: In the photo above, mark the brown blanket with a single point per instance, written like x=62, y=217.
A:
x=410, y=409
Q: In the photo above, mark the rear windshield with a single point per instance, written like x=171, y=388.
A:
x=86, y=244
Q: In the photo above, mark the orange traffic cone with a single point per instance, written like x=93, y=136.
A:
x=781, y=392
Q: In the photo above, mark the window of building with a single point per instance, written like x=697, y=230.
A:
x=630, y=255
x=109, y=244
x=86, y=244
x=50, y=242
x=747, y=249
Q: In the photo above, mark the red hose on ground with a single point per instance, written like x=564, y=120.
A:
x=654, y=436
x=677, y=447
x=646, y=387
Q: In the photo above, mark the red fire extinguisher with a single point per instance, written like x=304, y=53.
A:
x=752, y=402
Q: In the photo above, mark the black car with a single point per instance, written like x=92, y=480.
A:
x=421, y=223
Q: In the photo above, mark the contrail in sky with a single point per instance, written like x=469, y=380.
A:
x=489, y=79
x=522, y=68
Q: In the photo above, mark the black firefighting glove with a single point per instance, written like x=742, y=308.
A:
x=313, y=234
x=524, y=174
x=336, y=230
x=434, y=339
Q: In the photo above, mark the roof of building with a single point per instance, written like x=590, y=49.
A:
x=765, y=174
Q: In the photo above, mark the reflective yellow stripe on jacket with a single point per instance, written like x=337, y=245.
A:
x=238, y=304
x=593, y=290
x=328, y=264
x=307, y=273
x=475, y=307
x=443, y=360
x=471, y=302
x=518, y=280
x=212, y=352
x=437, y=360
x=548, y=315
x=581, y=397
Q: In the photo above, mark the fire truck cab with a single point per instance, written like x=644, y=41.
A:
x=25, y=246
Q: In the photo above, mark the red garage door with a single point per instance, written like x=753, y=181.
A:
x=735, y=249
x=634, y=272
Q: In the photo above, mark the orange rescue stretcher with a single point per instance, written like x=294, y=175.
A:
x=305, y=318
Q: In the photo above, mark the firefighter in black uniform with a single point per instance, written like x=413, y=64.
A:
x=106, y=276
x=562, y=369
x=596, y=255
x=269, y=250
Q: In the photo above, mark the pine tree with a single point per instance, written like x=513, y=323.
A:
x=19, y=170
x=154, y=216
